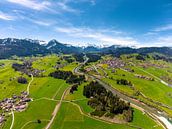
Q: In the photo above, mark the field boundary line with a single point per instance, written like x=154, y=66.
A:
x=44, y=98
x=57, y=91
x=32, y=122
x=57, y=107
x=99, y=119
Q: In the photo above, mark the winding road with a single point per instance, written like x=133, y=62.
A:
x=159, y=117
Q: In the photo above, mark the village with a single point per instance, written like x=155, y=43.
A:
x=27, y=69
x=154, y=65
x=144, y=77
x=114, y=63
x=15, y=103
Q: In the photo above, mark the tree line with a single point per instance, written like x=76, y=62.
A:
x=123, y=82
x=105, y=103
x=68, y=76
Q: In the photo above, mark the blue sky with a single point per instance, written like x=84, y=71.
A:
x=80, y=22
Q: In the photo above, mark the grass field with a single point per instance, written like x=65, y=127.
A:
x=69, y=67
x=142, y=85
x=46, y=63
x=154, y=90
x=70, y=116
x=42, y=90
x=47, y=87
x=8, y=80
x=41, y=110
x=46, y=92
x=140, y=119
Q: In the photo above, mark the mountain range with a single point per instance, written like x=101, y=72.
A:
x=27, y=47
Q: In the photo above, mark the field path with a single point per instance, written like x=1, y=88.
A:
x=56, y=109
x=57, y=91
x=97, y=118
x=32, y=122
x=28, y=87
x=12, y=123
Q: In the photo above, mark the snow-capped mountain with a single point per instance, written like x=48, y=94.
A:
x=28, y=47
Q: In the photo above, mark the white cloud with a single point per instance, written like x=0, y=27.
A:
x=5, y=16
x=65, y=7
x=163, y=28
x=32, y=4
x=93, y=2
x=158, y=41
x=98, y=35
x=164, y=41
x=42, y=23
x=55, y=7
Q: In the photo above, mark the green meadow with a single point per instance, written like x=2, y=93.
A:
x=144, y=86
x=77, y=100
x=154, y=90
x=37, y=110
x=70, y=117
x=8, y=80
x=74, y=111
x=70, y=66
x=47, y=87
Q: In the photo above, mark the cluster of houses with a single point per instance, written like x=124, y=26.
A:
x=144, y=77
x=15, y=103
x=27, y=68
x=129, y=70
x=147, y=65
x=2, y=118
x=114, y=63
x=35, y=72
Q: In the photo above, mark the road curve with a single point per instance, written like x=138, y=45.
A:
x=135, y=103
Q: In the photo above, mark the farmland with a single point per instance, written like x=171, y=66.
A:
x=48, y=93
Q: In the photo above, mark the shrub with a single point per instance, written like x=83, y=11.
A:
x=22, y=80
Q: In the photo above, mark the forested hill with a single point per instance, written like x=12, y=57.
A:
x=27, y=47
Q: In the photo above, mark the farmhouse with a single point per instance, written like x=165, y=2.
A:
x=2, y=119
x=20, y=107
x=149, y=64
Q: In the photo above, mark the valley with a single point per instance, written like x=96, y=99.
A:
x=86, y=64
x=54, y=105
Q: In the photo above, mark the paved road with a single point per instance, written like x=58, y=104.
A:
x=135, y=103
